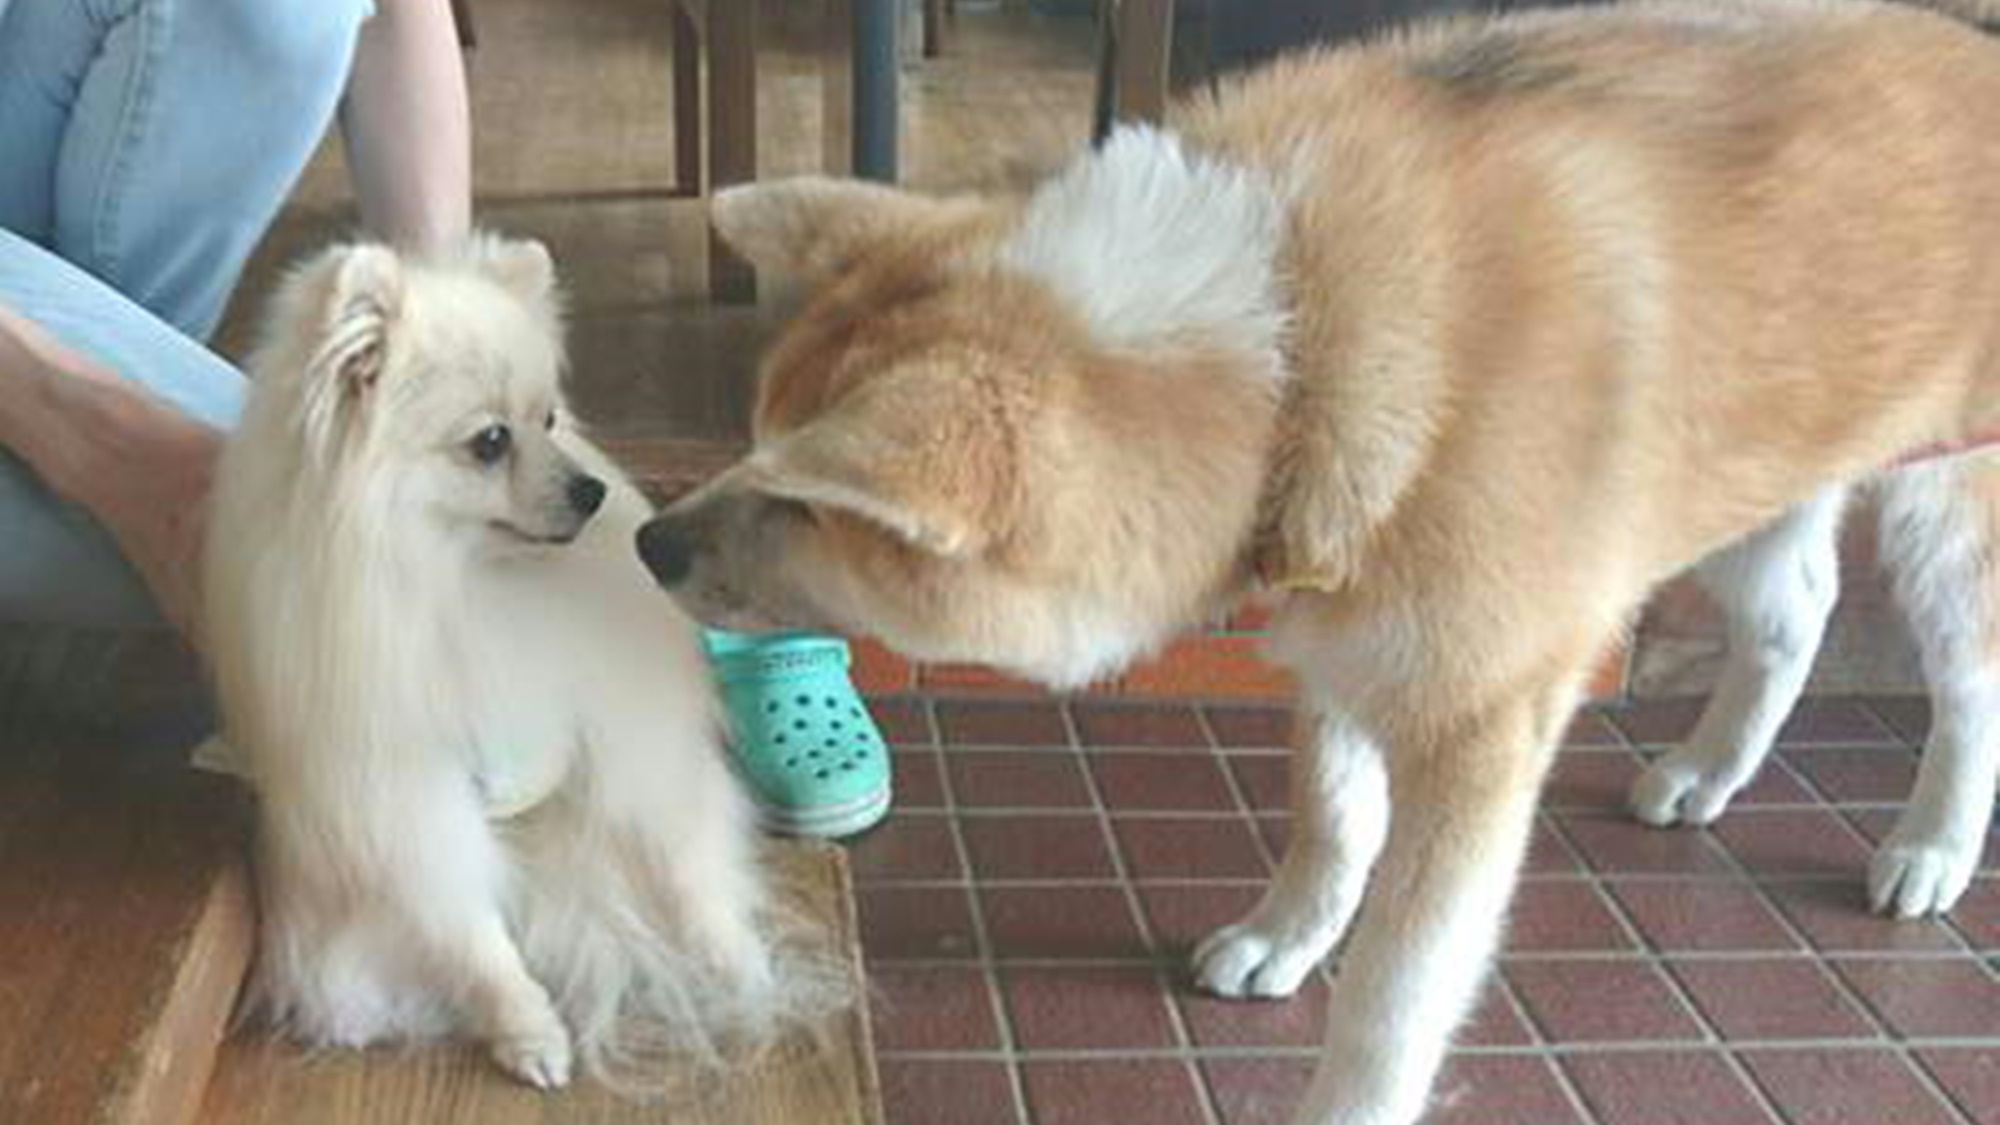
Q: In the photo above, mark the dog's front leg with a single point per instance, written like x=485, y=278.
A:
x=1340, y=807
x=511, y=1012
x=1464, y=794
x=450, y=890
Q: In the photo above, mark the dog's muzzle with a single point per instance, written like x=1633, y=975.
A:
x=667, y=550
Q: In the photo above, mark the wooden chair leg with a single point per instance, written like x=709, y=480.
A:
x=1104, y=109
x=836, y=87
x=934, y=18
x=1145, y=43
x=687, y=101
x=732, y=132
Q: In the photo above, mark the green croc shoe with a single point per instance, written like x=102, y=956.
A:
x=803, y=740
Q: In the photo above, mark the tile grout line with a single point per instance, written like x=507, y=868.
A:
x=1930, y=1081
x=1797, y=934
x=1243, y=810
x=989, y=961
x=1731, y=1060
x=1522, y=1051
x=1542, y=1043
x=1210, y=1110
x=1884, y=1039
x=1734, y=873
x=1609, y=902
x=1581, y=956
x=1656, y=958
x=1578, y=812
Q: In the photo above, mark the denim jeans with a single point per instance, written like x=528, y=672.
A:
x=145, y=147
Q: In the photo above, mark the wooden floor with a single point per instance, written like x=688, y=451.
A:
x=124, y=928
x=827, y=1078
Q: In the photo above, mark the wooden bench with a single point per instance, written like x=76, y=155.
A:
x=126, y=930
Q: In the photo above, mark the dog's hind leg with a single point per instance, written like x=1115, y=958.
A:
x=1940, y=532
x=1340, y=806
x=1776, y=589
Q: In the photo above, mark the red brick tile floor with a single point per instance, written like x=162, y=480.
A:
x=1027, y=911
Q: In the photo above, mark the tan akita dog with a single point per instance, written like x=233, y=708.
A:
x=1458, y=344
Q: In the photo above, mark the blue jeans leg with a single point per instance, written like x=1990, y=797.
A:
x=151, y=142
x=147, y=146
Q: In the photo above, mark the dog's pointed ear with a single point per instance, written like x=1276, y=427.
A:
x=899, y=454
x=813, y=227
x=522, y=266
x=363, y=303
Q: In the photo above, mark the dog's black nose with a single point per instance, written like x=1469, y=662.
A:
x=586, y=494
x=666, y=552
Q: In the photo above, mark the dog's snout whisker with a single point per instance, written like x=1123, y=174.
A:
x=586, y=494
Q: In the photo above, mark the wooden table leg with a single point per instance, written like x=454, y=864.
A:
x=836, y=87
x=687, y=101
x=732, y=132
x=1104, y=107
x=934, y=16
x=1145, y=38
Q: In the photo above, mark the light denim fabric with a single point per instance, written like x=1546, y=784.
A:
x=145, y=147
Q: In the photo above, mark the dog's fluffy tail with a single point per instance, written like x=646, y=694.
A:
x=651, y=1015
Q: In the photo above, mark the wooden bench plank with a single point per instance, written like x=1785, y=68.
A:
x=259, y=1081
x=125, y=930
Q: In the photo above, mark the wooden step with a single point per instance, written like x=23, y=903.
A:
x=125, y=928
x=262, y=1082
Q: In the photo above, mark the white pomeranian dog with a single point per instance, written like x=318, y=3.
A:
x=494, y=798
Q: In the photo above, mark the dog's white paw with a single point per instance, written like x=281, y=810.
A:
x=1681, y=788
x=1914, y=877
x=538, y=1055
x=1248, y=960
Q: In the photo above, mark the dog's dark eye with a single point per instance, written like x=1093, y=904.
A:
x=491, y=444
x=549, y=423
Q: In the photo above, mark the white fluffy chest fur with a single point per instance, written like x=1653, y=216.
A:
x=1153, y=244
